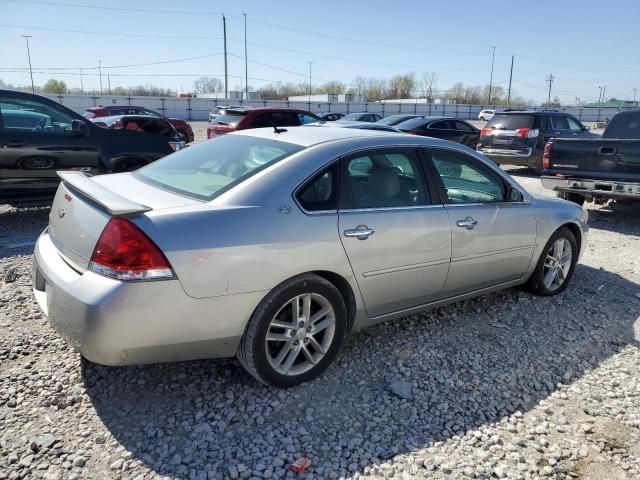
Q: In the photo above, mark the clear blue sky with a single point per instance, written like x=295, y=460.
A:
x=583, y=43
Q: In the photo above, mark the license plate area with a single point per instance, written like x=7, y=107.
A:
x=502, y=141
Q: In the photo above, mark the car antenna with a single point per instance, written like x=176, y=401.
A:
x=276, y=129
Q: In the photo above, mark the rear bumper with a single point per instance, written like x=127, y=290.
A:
x=117, y=323
x=589, y=187
x=525, y=157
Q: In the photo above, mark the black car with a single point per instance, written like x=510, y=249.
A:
x=451, y=129
x=330, y=116
x=518, y=138
x=38, y=137
x=358, y=125
x=361, y=117
x=397, y=119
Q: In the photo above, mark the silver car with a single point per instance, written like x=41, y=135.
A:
x=272, y=244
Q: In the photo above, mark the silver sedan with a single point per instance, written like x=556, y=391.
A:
x=273, y=244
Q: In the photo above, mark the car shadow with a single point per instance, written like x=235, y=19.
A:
x=468, y=364
x=26, y=225
x=620, y=217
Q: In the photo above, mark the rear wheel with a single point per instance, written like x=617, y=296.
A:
x=481, y=118
x=572, y=197
x=556, y=264
x=127, y=165
x=183, y=136
x=295, y=333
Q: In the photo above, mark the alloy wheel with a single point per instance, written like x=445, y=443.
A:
x=557, y=264
x=300, y=334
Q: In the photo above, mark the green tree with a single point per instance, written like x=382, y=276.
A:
x=54, y=86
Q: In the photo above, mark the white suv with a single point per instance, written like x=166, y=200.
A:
x=486, y=114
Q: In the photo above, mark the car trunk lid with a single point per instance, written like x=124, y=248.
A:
x=83, y=205
x=509, y=132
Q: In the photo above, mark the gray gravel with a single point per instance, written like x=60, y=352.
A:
x=504, y=386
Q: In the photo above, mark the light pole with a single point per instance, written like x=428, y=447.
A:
x=100, y=70
x=246, y=69
x=493, y=57
x=600, y=96
x=310, y=64
x=635, y=90
x=27, y=37
x=81, y=83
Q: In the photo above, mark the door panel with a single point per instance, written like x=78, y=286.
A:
x=398, y=245
x=492, y=239
x=404, y=262
x=498, y=249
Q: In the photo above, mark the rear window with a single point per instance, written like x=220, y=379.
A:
x=411, y=124
x=623, y=125
x=210, y=168
x=511, y=122
x=227, y=119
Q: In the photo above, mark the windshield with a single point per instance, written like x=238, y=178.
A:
x=510, y=122
x=352, y=116
x=210, y=168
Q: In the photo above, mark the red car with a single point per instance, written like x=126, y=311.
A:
x=243, y=118
x=183, y=128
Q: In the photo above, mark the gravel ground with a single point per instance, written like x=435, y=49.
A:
x=504, y=386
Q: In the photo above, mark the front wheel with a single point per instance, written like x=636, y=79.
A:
x=481, y=118
x=295, y=333
x=183, y=136
x=556, y=264
x=572, y=197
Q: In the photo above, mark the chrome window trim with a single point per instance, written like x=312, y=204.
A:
x=384, y=209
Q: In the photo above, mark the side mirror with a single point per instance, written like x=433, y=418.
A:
x=514, y=195
x=586, y=128
x=80, y=128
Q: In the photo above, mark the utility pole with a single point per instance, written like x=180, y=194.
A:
x=493, y=57
x=310, y=63
x=100, y=70
x=81, y=83
x=109, y=82
x=27, y=37
x=246, y=68
x=226, y=77
x=550, y=79
x=635, y=90
x=604, y=92
x=510, y=78
x=600, y=96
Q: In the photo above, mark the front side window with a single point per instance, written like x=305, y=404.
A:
x=466, y=180
x=574, y=125
x=321, y=192
x=304, y=119
x=384, y=179
x=465, y=127
x=560, y=123
x=210, y=168
x=33, y=116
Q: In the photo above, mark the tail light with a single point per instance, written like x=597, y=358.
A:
x=222, y=129
x=412, y=132
x=125, y=253
x=546, y=156
x=485, y=131
x=527, y=132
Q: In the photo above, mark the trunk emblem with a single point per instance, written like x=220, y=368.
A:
x=61, y=212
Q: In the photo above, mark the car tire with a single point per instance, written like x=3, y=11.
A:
x=552, y=258
x=294, y=354
x=127, y=165
x=481, y=118
x=183, y=136
x=572, y=197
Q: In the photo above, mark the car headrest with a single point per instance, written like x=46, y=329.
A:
x=383, y=183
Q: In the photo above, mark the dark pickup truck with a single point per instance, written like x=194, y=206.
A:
x=597, y=169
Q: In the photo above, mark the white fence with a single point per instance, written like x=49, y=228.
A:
x=199, y=108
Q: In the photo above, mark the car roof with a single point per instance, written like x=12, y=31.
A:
x=307, y=136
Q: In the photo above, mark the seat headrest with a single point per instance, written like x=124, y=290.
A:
x=383, y=183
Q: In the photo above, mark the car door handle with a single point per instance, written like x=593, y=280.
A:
x=469, y=223
x=607, y=150
x=361, y=232
x=556, y=133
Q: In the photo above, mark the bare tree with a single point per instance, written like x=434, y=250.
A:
x=208, y=85
x=428, y=85
x=360, y=85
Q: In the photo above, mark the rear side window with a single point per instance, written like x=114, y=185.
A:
x=210, y=168
x=321, y=192
x=227, y=119
x=623, y=125
x=511, y=122
x=559, y=123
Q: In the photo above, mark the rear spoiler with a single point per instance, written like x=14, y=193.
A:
x=114, y=203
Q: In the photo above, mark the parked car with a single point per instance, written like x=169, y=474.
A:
x=243, y=118
x=183, y=128
x=219, y=110
x=518, y=138
x=450, y=129
x=597, y=168
x=254, y=245
x=396, y=119
x=486, y=114
x=39, y=137
x=330, y=116
x=143, y=123
x=361, y=117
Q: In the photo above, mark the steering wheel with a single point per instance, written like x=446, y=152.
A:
x=41, y=124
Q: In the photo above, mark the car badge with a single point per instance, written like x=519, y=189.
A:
x=61, y=212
